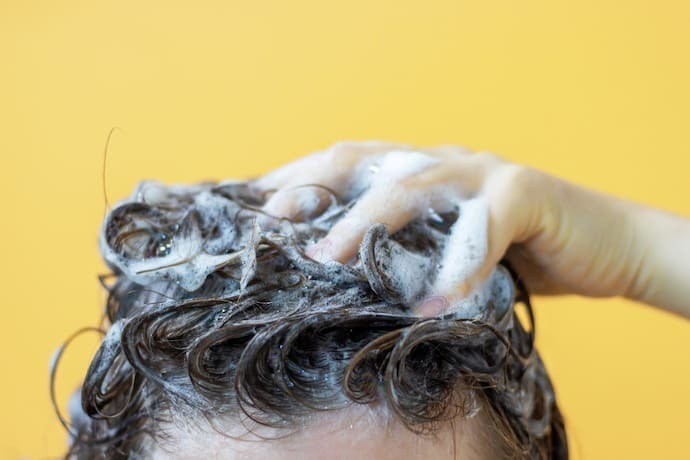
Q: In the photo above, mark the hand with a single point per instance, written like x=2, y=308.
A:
x=560, y=237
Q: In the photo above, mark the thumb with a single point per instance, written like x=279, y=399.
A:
x=474, y=247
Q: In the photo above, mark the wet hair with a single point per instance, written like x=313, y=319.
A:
x=213, y=314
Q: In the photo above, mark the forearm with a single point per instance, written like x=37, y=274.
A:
x=662, y=276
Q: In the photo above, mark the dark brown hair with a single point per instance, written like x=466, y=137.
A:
x=213, y=314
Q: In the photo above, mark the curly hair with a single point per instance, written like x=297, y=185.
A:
x=212, y=313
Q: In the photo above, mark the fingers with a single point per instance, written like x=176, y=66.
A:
x=395, y=198
x=297, y=203
x=407, y=184
x=332, y=168
x=507, y=211
x=402, y=185
x=324, y=167
x=389, y=204
x=287, y=173
x=498, y=202
x=447, y=150
x=536, y=277
x=466, y=249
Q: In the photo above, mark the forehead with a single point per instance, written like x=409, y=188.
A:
x=348, y=434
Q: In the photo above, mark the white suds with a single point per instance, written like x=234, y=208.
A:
x=396, y=271
x=387, y=168
x=467, y=245
x=186, y=260
x=398, y=165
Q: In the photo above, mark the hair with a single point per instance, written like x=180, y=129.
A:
x=211, y=314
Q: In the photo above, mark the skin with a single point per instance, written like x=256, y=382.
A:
x=561, y=238
x=354, y=433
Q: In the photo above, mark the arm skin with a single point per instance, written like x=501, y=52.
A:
x=562, y=238
x=664, y=276
x=617, y=248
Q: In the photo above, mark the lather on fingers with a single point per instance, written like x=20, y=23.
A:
x=394, y=186
x=335, y=169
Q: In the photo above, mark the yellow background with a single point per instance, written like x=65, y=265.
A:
x=596, y=91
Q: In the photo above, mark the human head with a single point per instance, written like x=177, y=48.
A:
x=224, y=334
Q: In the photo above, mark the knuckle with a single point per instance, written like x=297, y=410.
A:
x=343, y=148
x=457, y=149
x=519, y=193
x=517, y=177
x=450, y=150
x=489, y=159
x=515, y=183
x=343, y=154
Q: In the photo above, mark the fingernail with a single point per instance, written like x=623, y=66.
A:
x=321, y=251
x=433, y=306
